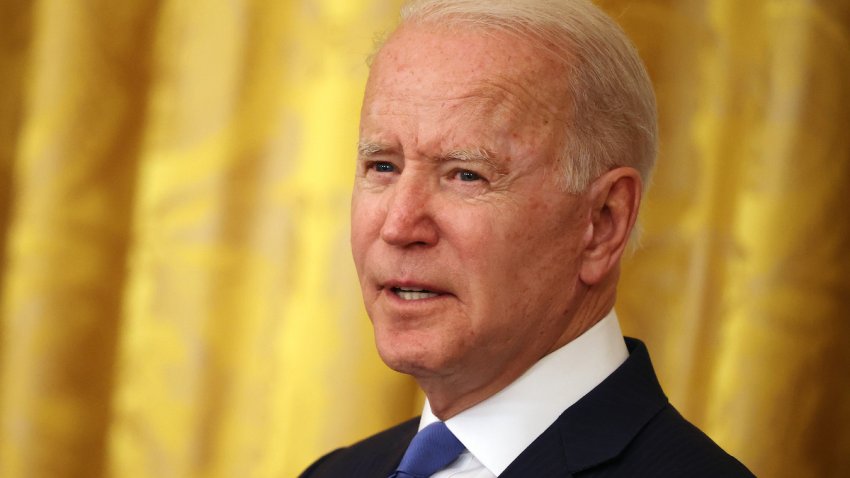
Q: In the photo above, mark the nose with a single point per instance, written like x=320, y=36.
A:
x=409, y=220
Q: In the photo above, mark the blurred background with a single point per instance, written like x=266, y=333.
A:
x=178, y=298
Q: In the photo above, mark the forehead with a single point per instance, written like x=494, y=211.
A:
x=454, y=59
x=476, y=77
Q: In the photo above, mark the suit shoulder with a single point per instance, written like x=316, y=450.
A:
x=671, y=446
x=376, y=455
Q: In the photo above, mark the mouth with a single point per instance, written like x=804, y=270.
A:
x=412, y=293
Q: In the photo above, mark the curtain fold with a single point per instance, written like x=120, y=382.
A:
x=177, y=297
x=747, y=234
x=70, y=190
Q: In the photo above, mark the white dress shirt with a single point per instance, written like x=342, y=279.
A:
x=498, y=429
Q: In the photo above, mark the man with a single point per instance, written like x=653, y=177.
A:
x=504, y=149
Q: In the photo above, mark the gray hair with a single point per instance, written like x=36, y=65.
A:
x=613, y=119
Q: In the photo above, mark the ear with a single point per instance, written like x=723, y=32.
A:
x=615, y=199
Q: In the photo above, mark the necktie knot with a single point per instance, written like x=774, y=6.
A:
x=434, y=447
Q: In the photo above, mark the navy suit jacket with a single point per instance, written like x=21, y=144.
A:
x=625, y=427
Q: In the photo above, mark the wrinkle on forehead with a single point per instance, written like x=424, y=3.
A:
x=497, y=99
x=523, y=91
x=519, y=95
x=493, y=116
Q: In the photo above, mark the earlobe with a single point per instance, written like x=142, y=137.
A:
x=615, y=198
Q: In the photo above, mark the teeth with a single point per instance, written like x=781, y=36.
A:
x=414, y=294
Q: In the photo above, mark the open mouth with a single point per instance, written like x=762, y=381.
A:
x=407, y=293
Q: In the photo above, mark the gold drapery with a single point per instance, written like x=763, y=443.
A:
x=177, y=294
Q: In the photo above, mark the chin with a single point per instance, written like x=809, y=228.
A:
x=407, y=353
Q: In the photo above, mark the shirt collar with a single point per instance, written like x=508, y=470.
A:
x=498, y=429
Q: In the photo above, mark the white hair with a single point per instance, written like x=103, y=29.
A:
x=611, y=105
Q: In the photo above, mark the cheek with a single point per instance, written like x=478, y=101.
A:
x=471, y=234
x=541, y=250
x=365, y=226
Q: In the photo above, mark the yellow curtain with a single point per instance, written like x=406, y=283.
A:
x=743, y=284
x=177, y=294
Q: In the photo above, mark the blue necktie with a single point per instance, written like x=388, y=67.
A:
x=432, y=449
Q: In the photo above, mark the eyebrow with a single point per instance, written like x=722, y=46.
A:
x=474, y=154
x=366, y=149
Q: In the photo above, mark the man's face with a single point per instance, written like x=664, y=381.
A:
x=467, y=249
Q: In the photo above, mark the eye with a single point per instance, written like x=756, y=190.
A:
x=383, y=167
x=468, y=176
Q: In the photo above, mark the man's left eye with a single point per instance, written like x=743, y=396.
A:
x=468, y=176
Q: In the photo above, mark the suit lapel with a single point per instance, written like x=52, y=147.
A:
x=387, y=455
x=375, y=457
x=600, y=425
